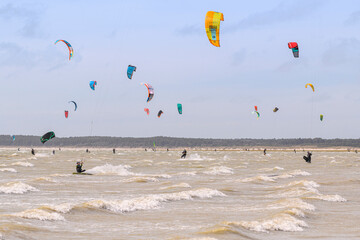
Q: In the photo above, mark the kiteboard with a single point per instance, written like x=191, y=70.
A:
x=83, y=173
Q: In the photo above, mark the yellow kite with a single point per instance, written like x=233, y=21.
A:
x=212, y=27
x=312, y=86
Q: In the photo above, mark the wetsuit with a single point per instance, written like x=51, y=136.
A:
x=183, y=154
x=308, y=157
x=265, y=151
x=114, y=151
x=79, y=168
x=32, y=152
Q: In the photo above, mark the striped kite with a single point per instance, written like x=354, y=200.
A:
x=71, y=51
x=212, y=27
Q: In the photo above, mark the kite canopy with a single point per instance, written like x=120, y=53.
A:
x=13, y=138
x=179, y=106
x=93, y=84
x=66, y=113
x=147, y=111
x=159, y=113
x=130, y=71
x=255, y=108
x=257, y=113
x=47, y=136
x=321, y=117
x=295, y=48
x=75, y=103
x=312, y=86
x=276, y=109
x=71, y=51
x=150, y=91
x=212, y=27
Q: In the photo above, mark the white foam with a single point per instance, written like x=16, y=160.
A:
x=24, y=164
x=7, y=170
x=16, y=188
x=140, y=179
x=329, y=198
x=280, y=222
x=61, y=208
x=187, y=173
x=193, y=157
x=276, y=168
x=219, y=170
x=109, y=169
x=290, y=203
x=151, y=201
x=40, y=215
x=257, y=179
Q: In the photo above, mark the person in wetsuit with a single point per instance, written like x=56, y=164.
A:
x=53, y=152
x=32, y=151
x=183, y=154
x=113, y=150
x=308, y=157
x=79, y=167
x=294, y=150
x=265, y=151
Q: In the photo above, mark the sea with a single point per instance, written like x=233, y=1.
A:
x=209, y=195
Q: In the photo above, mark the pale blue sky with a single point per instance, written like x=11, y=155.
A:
x=166, y=40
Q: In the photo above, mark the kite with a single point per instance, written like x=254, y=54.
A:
x=321, y=117
x=179, y=107
x=47, y=136
x=75, y=103
x=257, y=113
x=13, y=138
x=159, y=113
x=255, y=108
x=130, y=71
x=295, y=48
x=66, y=113
x=212, y=27
x=93, y=84
x=147, y=111
x=312, y=86
x=71, y=51
x=276, y=109
x=150, y=91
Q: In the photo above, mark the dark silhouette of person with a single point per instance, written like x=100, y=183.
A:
x=113, y=150
x=308, y=157
x=265, y=151
x=32, y=151
x=184, y=154
x=79, y=167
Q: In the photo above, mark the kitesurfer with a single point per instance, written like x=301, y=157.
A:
x=32, y=151
x=356, y=151
x=265, y=151
x=183, y=154
x=79, y=167
x=18, y=149
x=294, y=150
x=53, y=152
x=308, y=157
x=87, y=150
x=113, y=150
x=145, y=150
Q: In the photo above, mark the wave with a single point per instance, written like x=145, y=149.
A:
x=8, y=170
x=140, y=179
x=194, y=157
x=39, y=215
x=329, y=198
x=292, y=203
x=276, y=168
x=151, y=201
x=180, y=185
x=24, y=164
x=140, y=203
x=280, y=222
x=108, y=169
x=219, y=170
x=272, y=178
x=187, y=173
x=16, y=188
x=44, y=179
x=219, y=230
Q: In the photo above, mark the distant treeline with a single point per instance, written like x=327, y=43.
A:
x=172, y=142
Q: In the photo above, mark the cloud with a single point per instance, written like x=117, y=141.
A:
x=284, y=12
x=239, y=57
x=30, y=19
x=191, y=30
x=343, y=52
x=353, y=19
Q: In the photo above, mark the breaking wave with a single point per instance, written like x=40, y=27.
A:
x=219, y=170
x=16, y=188
x=7, y=170
x=39, y=215
x=108, y=169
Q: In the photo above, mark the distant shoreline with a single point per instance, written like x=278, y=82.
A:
x=179, y=149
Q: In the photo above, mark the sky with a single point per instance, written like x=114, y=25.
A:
x=167, y=42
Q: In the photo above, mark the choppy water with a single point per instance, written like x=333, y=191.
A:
x=135, y=194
